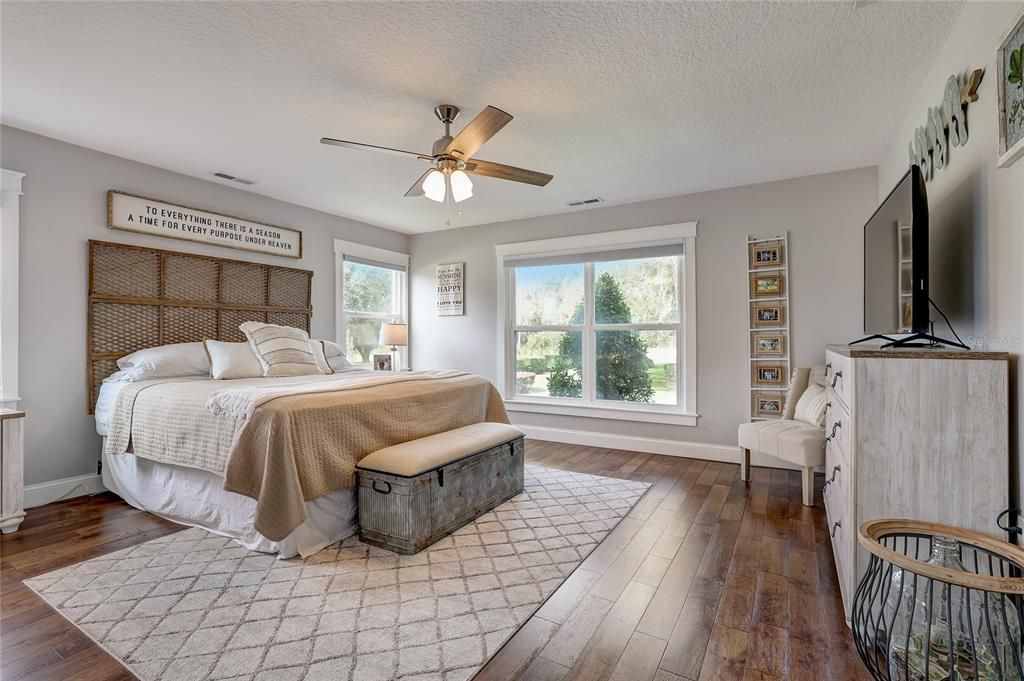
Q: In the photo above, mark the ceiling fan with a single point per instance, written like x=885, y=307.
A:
x=451, y=158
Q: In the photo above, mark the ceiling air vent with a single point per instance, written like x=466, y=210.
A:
x=233, y=178
x=585, y=202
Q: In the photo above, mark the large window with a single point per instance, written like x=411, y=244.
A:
x=601, y=323
x=10, y=200
x=372, y=290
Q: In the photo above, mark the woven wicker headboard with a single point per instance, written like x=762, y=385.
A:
x=142, y=297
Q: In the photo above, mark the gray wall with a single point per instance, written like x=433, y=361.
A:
x=976, y=230
x=65, y=205
x=824, y=215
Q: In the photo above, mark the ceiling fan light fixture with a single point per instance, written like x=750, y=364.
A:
x=433, y=186
x=462, y=186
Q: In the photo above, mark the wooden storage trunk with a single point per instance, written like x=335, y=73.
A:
x=407, y=513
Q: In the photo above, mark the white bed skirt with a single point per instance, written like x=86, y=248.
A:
x=193, y=497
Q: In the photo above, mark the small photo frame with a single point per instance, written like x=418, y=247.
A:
x=767, y=315
x=767, y=285
x=768, y=375
x=767, y=254
x=768, y=405
x=768, y=344
x=382, y=362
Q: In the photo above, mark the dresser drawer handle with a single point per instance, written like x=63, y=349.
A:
x=828, y=365
x=835, y=378
x=835, y=526
x=835, y=471
x=835, y=426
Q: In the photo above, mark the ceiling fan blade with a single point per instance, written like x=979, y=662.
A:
x=417, y=188
x=504, y=172
x=482, y=128
x=373, y=147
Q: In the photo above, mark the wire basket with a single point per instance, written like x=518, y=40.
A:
x=939, y=603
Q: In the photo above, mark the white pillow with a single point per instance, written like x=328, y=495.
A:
x=165, y=361
x=332, y=349
x=232, y=360
x=339, y=363
x=285, y=350
x=810, y=408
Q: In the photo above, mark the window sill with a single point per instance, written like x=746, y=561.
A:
x=641, y=415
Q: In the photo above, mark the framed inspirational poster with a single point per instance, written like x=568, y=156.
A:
x=450, y=289
x=149, y=216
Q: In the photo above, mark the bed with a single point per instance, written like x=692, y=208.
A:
x=268, y=462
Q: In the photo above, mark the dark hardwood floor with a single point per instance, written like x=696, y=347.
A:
x=706, y=579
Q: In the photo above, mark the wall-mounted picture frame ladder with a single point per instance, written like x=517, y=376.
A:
x=769, y=318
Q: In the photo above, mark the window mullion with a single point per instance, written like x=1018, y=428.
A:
x=587, y=343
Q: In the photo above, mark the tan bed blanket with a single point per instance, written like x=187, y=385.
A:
x=304, y=436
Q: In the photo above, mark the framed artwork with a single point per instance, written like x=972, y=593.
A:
x=382, y=362
x=768, y=375
x=768, y=405
x=767, y=315
x=767, y=254
x=769, y=344
x=451, y=289
x=1010, y=87
x=767, y=285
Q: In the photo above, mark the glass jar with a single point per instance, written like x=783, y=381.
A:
x=940, y=633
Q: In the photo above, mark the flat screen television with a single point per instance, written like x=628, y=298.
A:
x=896, y=261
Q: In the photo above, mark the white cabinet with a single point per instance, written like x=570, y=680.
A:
x=12, y=484
x=913, y=433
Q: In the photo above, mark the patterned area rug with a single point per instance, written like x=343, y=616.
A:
x=193, y=605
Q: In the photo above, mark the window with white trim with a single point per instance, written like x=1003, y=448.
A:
x=10, y=201
x=601, y=324
x=372, y=289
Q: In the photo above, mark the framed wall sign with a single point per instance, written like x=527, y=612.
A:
x=451, y=289
x=148, y=216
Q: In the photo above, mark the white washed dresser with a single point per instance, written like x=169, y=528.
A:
x=12, y=486
x=913, y=433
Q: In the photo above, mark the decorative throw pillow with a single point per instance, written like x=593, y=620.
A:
x=284, y=350
x=810, y=408
x=232, y=360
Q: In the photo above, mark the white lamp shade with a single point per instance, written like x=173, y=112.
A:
x=462, y=186
x=433, y=186
x=394, y=334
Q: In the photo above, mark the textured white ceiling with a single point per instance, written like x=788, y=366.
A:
x=620, y=100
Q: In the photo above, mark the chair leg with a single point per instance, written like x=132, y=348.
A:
x=808, y=485
x=745, y=466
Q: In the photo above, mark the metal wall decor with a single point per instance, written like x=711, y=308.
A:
x=768, y=303
x=945, y=125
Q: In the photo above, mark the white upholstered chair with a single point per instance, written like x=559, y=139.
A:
x=790, y=439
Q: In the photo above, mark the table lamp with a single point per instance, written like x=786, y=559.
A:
x=394, y=334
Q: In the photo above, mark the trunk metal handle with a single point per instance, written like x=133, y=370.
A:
x=381, y=491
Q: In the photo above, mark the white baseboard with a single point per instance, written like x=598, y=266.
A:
x=65, y=488
x=650, y=445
